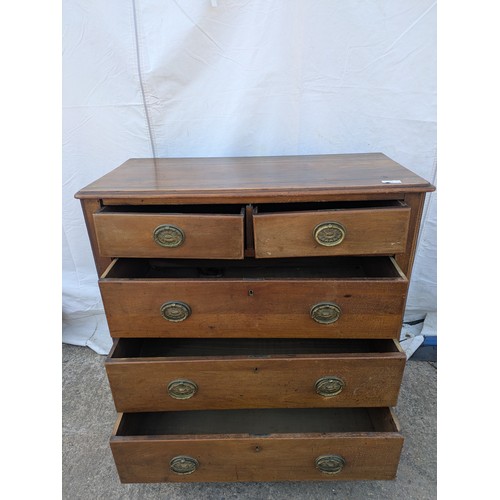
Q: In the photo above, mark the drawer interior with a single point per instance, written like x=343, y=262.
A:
x=252, y=347
x=292, y=268
x=174, y=209
x=259, y=422
x=327, y=206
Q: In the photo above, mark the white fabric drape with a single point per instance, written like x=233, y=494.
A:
x=176, y=78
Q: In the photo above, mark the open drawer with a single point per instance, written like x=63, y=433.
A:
x=195, y=374
x=257, y=445
x=344, y=297
x=337, y=228
x=186, y=231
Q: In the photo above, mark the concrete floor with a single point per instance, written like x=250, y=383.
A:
x=89, y=472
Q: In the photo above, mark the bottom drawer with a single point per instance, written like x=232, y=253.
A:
x=257, y=445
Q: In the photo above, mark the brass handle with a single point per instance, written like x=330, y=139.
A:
x=325, y=313
x=329, y=386
x=175, y=311
x=330, y=464
x=329, y=234
x=182, y=389
x=184, y=464
x=168, y=236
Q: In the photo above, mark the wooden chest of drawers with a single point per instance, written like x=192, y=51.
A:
x=255, y=305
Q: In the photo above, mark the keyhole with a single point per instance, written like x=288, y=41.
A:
x=250, y=293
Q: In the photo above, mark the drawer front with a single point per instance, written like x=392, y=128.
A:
x=290, y=381
x=254, y=459
x=205, y=308
x=304, y=456
x=337, y=232
x=170, y=235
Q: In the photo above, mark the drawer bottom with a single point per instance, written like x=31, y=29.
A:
x=257, y=445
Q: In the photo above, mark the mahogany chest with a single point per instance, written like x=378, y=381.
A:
x=255, y=305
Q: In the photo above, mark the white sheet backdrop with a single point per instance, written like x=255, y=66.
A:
x=176, y=78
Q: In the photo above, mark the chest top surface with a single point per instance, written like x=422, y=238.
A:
x=234, y=179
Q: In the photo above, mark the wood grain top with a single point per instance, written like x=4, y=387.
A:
x=242, y=179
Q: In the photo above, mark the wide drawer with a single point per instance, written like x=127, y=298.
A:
x=198, y=374
x=344, y=297
x=214, y=232
x=257, y=445
x=314, y=229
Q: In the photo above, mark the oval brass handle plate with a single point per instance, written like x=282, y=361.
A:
x=182, y=389
x=330, y=464
x=329, y=234
x=329, y=386
x=175, y=311
x=184, y=464
x=168, y=236
x=325, y=312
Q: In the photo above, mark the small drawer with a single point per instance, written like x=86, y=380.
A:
x=211, y=232
x=257, y=445
x=313, y=229
x=198, y=374
x=344, y=297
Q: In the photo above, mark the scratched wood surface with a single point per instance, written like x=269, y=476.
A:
x=247, y=179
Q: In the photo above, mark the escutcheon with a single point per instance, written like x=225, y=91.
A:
x=325, y=313
x=184, y=464
x=330, y=464
x=168, y=236
x=182, y=389
x=329, y=386
x=329, y=234
x=175, y=311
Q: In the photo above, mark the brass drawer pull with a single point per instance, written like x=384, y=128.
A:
x=168, y=236
x=182, y=389
x=325, y=313
x=184, y=464
x=329, y=234
x=330, y=464
x=329, y=386
x=175, y=311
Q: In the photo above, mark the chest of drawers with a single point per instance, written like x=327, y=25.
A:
x=255, y=306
